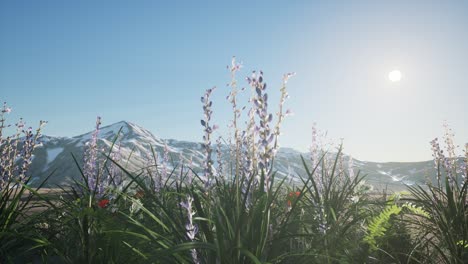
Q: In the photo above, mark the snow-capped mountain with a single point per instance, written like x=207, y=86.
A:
x=134, y=148
x=134, y=144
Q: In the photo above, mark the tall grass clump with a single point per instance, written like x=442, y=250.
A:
x=221, y=215
x=446, y=202
x=243, y=206
x=86, y=215
x=323, y=225
x=17, y=235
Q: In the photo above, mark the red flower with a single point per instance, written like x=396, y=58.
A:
x=290, y=197
x=103, y=203
x=291, y=194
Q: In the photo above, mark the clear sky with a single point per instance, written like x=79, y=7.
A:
x=150, y=61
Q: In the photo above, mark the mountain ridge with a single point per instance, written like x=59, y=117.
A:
x=135, y=141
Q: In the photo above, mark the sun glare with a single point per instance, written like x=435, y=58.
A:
x=394, y=76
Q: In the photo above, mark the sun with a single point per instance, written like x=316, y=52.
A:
x=394, y=76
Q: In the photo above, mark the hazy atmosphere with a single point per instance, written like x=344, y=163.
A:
x=149, y=62
x=233, y=132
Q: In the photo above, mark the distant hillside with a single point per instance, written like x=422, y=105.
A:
x=56, y=156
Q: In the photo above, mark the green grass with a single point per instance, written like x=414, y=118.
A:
x=339, y=223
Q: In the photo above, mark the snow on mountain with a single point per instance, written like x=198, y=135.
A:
x=135, y=142
x=52, y=154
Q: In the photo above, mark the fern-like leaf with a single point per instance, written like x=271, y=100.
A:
x=379, y=225
x=416, y=210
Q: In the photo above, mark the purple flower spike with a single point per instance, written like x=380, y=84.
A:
x=16, y=153
x=191, y=229
x=91, y=163
x=208, y=163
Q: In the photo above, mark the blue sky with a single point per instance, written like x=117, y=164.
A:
x=149, y=62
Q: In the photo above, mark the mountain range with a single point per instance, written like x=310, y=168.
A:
x=54, y=156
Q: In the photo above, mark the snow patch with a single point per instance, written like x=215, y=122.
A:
x=114, y=129
x=52, y=154
x=409, y=183
x=397, y=178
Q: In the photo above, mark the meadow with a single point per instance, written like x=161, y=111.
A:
x=235, y=212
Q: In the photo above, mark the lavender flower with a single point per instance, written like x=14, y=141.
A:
x=448, y=161
x=91, y=164
x=219, y=157
x=191, y=229
x=15, y=159
x=246, y=151
x=315, y=151
x=438, y=156
x=208, y=163
x=232, y=97
x=265, y=133
x=29, y=144
x=5, y=110
x=280, y=114
x=323, y=165
x=255, y=147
